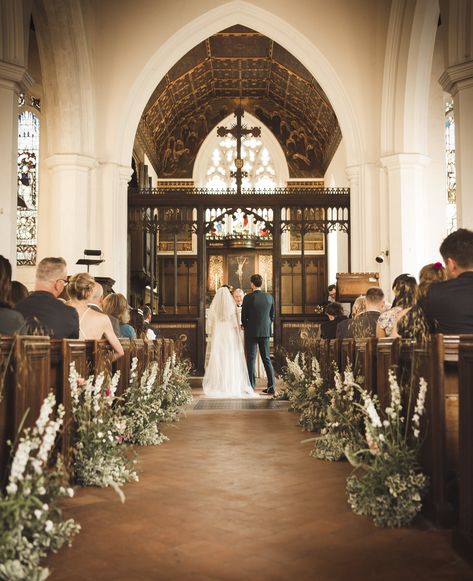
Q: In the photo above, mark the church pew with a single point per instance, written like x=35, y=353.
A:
x=335, y=354
x=463, y=533
x=7, y=402
x=347, y=355
x=99, y=357
x=123, y=365
x=63, y=353
x=32, y=377
x=365, y=362
x=387, y=356
x=428, y=361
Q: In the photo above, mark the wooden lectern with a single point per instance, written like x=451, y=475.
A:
x=351, y=285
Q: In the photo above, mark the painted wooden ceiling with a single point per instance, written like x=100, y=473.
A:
x=233, y=66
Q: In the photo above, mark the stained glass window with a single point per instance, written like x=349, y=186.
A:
x=450, y=163
x=27, y=172
x=257, y=163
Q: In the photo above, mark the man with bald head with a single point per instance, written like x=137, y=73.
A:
x=42, y=310
x=95, y=303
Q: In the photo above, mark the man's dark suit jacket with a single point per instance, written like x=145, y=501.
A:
x=449, y=305
x=328, y=330
x=50, y=315
x=257, y=314
x=362, y=326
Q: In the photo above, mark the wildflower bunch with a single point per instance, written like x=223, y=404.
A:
x=390, y=486
x=142, y=407
x=175, y=391
x=344, y=421
x=306, y=391
x=32, y=523
x=100, y=456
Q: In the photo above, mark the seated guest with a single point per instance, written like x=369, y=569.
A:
x=151, y=332
x=138, y=323
x=43, y=312
x=95, y=303
x=11, y=321
x=449, y=304
x=429, y=274
x=18, y=292
x=365, y=324
x=116, y=305
x=92, y=324
x=344, y=327
x=405, y=289
x=332, y=293
x=334, y=312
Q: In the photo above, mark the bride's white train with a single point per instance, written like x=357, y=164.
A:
x=226, y=374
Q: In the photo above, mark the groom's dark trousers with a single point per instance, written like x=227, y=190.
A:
x=257, y=315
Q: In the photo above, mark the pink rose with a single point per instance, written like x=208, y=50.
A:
x=80, y=381
x=108, y=393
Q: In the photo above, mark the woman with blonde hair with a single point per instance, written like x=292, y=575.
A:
x=429, y=274
x=92, y=324
x=116, y=306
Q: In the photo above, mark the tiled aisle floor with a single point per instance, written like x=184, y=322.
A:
x=234, y=495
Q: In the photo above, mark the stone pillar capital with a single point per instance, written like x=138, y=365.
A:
x=70, y=161
x=399, y=161
x=457, y=77
x=14, y=77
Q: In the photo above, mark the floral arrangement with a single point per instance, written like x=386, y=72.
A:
x=175, y=391
x=32, y=523
x=100, y=456
x=344, y=421
x=306, y=391
x=388, y=485
x=142, y=407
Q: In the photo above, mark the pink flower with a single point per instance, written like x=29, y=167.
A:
x=108, y=393
x=80, y=381
x=438, y=265
x=119, y=439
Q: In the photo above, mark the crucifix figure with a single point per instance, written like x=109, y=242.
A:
x=238, y=131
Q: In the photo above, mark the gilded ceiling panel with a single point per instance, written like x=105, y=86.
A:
x=207, y=84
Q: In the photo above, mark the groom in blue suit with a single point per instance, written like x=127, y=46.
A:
x=257, y=314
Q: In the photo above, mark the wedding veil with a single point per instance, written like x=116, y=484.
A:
x=222, y=307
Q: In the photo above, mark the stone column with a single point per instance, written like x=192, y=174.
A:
x=112, y=222
x=69, y=229
x=406, y=212
x=13, y=80
x=364, y=216
x=458, y=81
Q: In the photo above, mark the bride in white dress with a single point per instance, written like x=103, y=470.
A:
x=226, y=374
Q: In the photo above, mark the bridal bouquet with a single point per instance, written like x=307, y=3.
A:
x=175, y=391
x=32, y=523
x=388, y=485
x=306, y=391
x=344, y=421
x=100, y=456
x=142, y=407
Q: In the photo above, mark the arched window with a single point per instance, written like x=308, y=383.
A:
x=257, y=163
x=27, y=168
x=263, y=157
x=450, y=164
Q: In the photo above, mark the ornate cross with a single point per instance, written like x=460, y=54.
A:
x=238, y=131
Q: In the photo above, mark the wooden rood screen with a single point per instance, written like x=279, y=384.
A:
x=32, y=367
x=186, y=242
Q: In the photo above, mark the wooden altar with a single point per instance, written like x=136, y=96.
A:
x=185, y=242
